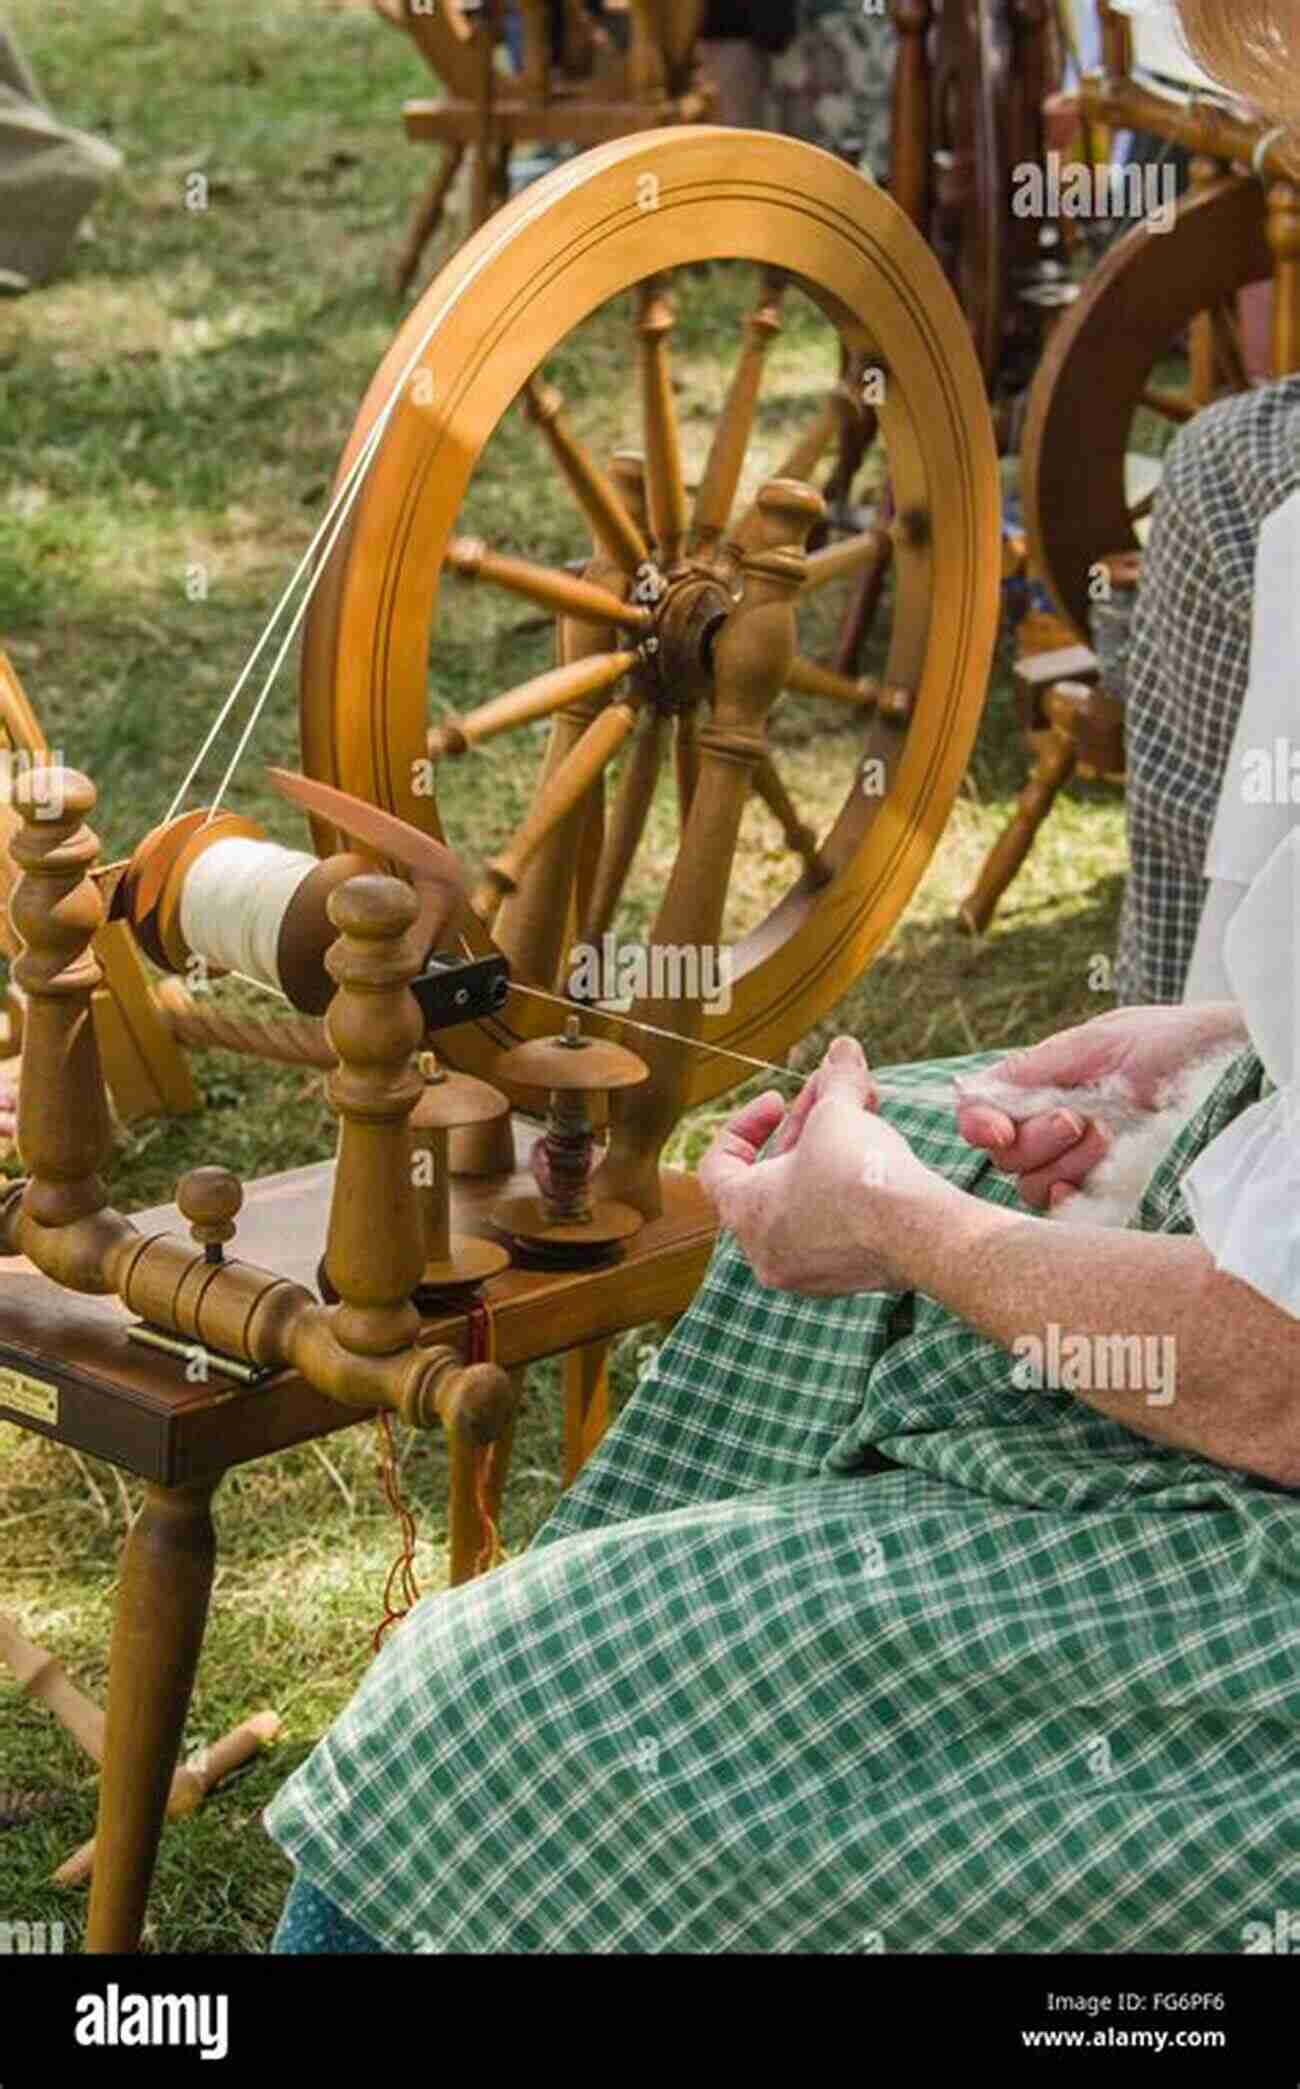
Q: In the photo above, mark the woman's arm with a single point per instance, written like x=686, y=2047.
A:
x=846, y=1206
x=1217, y=1365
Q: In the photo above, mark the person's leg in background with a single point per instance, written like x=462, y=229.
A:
x=833, y=84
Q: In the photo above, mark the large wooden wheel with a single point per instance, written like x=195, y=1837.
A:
x=1099, y=376
x=676, y=639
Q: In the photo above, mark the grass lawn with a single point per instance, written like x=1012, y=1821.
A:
x=174, y=405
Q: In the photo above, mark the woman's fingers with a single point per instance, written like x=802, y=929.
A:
x=800, y=1111
x=983, y=1126
x=1071, y=1170
x=737, y=1146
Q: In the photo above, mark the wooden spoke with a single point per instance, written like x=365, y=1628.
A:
x=665, y=488
x=611, y=525
x=561, y=792
x=1228, y=356
x=591, y=847
x=811, y=679
x=800, y=464
x=539, y=698
x=726, y=461
x=856, y=426
x=686, y=762
x=799, y=838
x=1171, y=406
x=1144, y=507
x=627, y=820
x=850, y=556
x=865, y=607
x=564, y=594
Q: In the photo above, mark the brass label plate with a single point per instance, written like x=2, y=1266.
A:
x=26, y=1395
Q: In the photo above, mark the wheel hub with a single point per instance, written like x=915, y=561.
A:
x=690, y=606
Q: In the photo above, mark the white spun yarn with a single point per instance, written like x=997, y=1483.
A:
x=234, y=902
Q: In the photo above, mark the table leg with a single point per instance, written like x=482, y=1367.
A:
x=162, y=1608
x=586, y=1405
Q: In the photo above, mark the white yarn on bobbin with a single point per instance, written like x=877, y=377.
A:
x=234, y=901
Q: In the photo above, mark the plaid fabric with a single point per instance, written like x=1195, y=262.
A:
x=1034, y=1687
x=1224, y=475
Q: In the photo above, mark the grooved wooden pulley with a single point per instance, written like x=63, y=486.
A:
x=712, y=579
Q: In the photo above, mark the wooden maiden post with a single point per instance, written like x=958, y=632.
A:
x=751, y=665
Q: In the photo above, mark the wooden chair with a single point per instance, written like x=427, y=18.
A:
x=1073, y=727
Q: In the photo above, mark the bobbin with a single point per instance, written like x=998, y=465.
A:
x=563, y=1224
x=454, y=1262
x=210, y=887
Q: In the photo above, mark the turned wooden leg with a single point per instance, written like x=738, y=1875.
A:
x=427, y=217
x=1057, y=758
x=162, y=1608
x=586, y=1405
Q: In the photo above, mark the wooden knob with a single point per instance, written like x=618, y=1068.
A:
x=210, y=1198
x=49, y=795
x=479, y=1399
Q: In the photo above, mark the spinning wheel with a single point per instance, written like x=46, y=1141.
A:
x=1084, y=494
x=585, y=73
x=972, y=174
x=972, y=81
x=678, y=636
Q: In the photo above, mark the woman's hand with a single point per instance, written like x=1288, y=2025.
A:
x=826, y=1212
x=1054, y=1153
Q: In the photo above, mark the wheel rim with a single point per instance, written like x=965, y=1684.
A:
x=564, y=247
x=1097, y=369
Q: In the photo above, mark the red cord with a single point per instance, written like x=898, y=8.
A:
x=482, y=1350
x=403, y=1567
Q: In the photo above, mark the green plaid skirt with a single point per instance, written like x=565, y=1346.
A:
x=1032, y=1686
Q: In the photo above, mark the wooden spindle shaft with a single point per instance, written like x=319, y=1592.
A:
x=569, y=1145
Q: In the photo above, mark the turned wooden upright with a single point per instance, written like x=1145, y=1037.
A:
x=751, y=664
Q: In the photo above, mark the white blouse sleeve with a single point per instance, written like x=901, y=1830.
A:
x=1244, y=1191
x=1259, y=804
